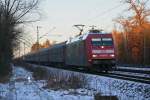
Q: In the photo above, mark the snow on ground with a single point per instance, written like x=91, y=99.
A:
x=125, y=90
x=23, y=87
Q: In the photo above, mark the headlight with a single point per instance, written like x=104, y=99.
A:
x=102, y=47
x=94, y=55
x=112, y=55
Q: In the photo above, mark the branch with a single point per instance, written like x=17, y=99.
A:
x=10, y=10
x=16, y=8
x=28, y=10
x=20, y=22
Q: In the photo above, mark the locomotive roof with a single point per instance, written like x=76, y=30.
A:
x=84, y=36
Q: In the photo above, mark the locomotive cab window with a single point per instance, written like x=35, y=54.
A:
x=107, y=41
x=96, y=41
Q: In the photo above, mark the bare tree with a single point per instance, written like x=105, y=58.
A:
x=12, y=14
x=141, y=13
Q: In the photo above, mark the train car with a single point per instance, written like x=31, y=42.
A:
x=40, y=56
x=54, y=55
x=92, y=50
x=57, y=54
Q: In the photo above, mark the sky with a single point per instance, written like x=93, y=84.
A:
x=59, y=16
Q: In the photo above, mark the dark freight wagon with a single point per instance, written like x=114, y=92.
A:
x=76, y=54
x=56, y=54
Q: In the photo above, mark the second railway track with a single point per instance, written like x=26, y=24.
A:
x=140, y=79
x=122, y=76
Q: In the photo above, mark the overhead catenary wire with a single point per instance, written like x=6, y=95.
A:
x=88, y=22
x=104, y=12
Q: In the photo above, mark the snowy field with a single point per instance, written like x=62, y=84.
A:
x=23, y=87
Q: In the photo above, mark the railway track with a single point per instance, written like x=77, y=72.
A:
x=123, y=76
x=134, y=78
x=134, y=71
x=130, y=77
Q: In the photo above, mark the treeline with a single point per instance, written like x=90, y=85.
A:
x=133, y=41
x=131, y=48
x=12, y=13
x=46, y=44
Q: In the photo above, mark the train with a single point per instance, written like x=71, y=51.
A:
x=93, y=50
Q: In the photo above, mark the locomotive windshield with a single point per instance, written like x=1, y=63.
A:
x=107, y=41
x=96, y=41
x=102, y=42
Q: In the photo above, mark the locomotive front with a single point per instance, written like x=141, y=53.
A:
x=100, y=50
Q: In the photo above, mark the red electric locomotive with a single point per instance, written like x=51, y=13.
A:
x=93, y=50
